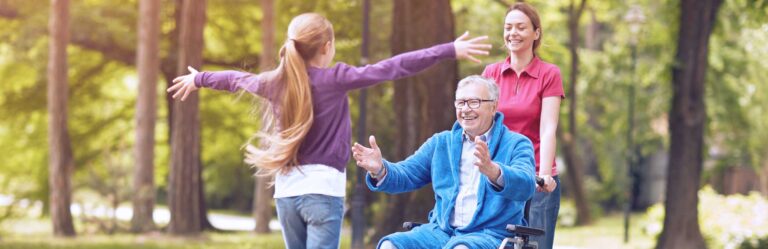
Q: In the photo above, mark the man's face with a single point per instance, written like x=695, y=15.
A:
x=475, y=121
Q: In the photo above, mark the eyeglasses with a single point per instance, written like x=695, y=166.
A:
x=471, y=103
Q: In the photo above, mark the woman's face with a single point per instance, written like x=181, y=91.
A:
x=518, y=32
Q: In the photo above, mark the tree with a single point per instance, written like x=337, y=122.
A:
x=416, y=98
x=570, y=139
x=185, y=187
x=148, y=64
x=358, y=200
x=687, y=119
x=61, y=163
x=262, y=200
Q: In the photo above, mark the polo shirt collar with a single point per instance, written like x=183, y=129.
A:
x=533, y=69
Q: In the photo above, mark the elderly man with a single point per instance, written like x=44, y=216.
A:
x=481, y=174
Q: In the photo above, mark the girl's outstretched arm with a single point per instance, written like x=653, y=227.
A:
x=220, y=80
x=407, y=64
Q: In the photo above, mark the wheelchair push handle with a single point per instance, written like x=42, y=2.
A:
x=540, y=181
x=524, y=231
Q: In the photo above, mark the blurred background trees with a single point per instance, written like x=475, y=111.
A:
x=105, y=89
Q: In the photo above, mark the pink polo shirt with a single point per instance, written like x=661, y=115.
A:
x=520, y=97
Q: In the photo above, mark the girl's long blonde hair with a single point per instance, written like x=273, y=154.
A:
x=288, y=117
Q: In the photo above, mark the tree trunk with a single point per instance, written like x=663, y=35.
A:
x=358, y=200
x=205, y=223
x=592, y=37
x=262, y=204
x=168, y=67
x=61, y=162
x=570, y=139
x=262, y=200
x=148, y=64
x=687, y=118
x=764, y=177
x=185, y=186
x=425, y=101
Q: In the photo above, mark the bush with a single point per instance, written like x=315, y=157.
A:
x=761, y=243
x=567, y=215
x=730, y=222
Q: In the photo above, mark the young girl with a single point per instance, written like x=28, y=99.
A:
x=306, y=134
x=531, y=90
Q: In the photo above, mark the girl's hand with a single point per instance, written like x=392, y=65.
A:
x=184, y=85
x=466, y=47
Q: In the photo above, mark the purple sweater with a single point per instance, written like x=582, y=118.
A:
x=329, y=139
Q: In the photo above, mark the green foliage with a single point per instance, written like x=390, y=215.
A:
x=227, y=124
x=103, y=91
x=103, y=87
x=736, y=87
x=734, y=221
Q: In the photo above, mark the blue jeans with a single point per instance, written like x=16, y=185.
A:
x=543, y=212
x=310, y=221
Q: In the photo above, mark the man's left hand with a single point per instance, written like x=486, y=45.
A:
x=483, y=162
x=368, y=158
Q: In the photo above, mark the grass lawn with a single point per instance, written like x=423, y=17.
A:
x=239, y=240
x=120, y=241
x=605, y=232
x=30, y=233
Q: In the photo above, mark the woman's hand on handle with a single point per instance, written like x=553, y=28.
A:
x=549, y=184
x=184, y=85
x=467, y=47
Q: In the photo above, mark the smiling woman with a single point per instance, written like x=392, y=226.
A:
x=530, y=95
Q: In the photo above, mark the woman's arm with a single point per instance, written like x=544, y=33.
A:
x=550, y=113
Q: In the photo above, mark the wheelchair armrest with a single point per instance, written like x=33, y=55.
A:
x=525, y=231
x=411, y=225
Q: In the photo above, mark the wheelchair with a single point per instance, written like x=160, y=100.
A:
x=521, y=240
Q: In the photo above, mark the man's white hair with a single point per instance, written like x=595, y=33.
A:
x=489, y=84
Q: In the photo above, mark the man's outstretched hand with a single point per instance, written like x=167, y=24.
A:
x=368, y=158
